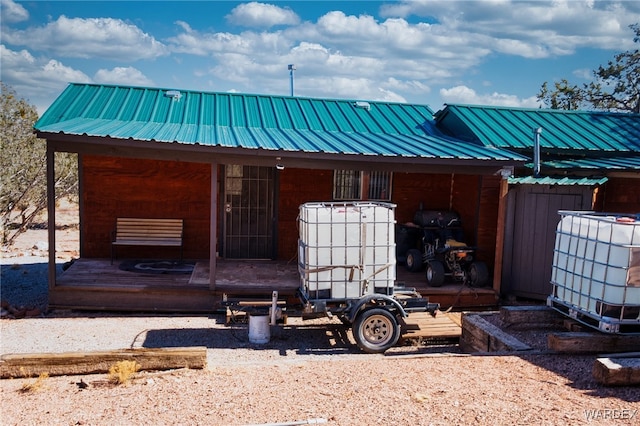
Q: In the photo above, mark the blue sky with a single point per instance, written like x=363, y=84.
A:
x=422, y=51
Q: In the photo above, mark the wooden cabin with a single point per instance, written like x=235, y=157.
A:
x=235, y=168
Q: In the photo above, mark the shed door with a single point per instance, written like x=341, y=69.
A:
x=249, y=212
x=532, y=218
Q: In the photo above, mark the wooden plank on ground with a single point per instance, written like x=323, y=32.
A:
x=617, y=371
x=72, y=363
x=583, y=342
x=424, y=325
x=531, y=316
x=479, y=335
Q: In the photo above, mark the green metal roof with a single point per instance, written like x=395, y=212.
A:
x=550, y=180
x=246, y=121
x=569, y=131
x=613, y=163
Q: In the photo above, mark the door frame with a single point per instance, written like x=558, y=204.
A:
x=273, y=245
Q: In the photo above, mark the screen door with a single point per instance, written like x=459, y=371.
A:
x=249, y=212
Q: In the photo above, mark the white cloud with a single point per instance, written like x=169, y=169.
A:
x=354, y=48
x=122, y=75
x=262, y=15
x=583, y=74
x=39, y=80
x=533, y=29
x=103, y=38
x=12, y=12
x=466, y=95
x=390, y=56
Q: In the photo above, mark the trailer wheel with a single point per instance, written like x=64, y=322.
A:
x=478, y=274
x=435, y=273
x=376, y=330
x=413, y=262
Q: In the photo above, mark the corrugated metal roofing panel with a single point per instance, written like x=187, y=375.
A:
x=550, y=180
x=512, y=128
x=613, y=163
x=255, y=121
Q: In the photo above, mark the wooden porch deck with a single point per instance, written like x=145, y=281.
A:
x=96, y=284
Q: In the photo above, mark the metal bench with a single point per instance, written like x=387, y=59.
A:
x=147, y=232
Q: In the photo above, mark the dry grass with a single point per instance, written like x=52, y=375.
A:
x=36, y=385
x=123, y=372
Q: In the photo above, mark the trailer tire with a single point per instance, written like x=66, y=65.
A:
x=435, y=273
x=413, y=262
x=478, y=274
x=375, y=330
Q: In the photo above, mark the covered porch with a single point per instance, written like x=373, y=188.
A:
x=97, y=284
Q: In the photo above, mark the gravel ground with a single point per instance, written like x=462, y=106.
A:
x=307, y=371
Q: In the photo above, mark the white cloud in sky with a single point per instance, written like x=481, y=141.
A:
x=262, y=15
x=37, y=72
x=541, y=28
x=387, y=57
x=583, y=73
x=12, y=12
x=122, y=75
x=104, y=38
x=46, y=76
x=466, y=95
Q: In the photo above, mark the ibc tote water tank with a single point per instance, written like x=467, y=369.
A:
x=347, y=250
x=596, y=266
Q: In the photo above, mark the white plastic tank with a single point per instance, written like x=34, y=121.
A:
x=596, y=265
x=347, y=250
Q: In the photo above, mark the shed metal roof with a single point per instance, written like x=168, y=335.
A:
x=233, y=120
x=562, y=181
x=613, y=163
x=569, y=131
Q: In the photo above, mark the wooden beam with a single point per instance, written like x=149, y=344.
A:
x=583, y=342
x=479, y=335
x=617, y=371
x=213, y=227
x=262, y=157
x=71, y=363
x=536, y=316
x=500, y=230
x=51, y=215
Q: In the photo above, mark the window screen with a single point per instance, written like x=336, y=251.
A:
x=346, y=185
x=352, y=185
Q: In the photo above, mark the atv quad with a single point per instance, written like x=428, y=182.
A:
x=443, y=251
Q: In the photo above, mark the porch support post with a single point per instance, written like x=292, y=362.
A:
x=502, y=213
x=213, y=227
x=51, y=215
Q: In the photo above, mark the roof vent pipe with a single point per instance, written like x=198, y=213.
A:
x=291, y=68
x=536, y=151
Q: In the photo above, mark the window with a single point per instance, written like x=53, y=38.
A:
x=356, y=185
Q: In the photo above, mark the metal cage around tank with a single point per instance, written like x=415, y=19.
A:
x=596, y=270
x=346, y=249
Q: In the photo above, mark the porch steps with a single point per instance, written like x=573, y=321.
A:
x=424, y=326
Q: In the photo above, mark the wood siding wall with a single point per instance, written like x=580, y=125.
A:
x=619, y=195
x=119, y=187
x=474, y=197
x=298, y=186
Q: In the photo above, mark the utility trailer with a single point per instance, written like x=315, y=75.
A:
x=347, y=268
